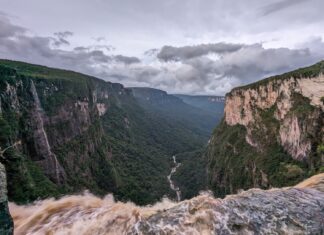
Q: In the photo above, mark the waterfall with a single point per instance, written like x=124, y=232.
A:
x=289, y=210
x=43, y=147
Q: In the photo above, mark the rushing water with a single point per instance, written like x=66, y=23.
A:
x=82, y=214
x=172, y=185
x=86, y=214
x=295, y=210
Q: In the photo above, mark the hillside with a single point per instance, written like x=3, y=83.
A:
x=159, y=103
x=74, y=132
x=201, y=114
x=272, y=133
x=211, y=104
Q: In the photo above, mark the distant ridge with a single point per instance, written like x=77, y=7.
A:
x=212, y=104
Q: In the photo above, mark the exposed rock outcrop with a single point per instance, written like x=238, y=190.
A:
x=296, y=210
x=53, y=119
x=244, y=105
x=271, y=128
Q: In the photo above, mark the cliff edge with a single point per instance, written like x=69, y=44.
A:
x=272, y=133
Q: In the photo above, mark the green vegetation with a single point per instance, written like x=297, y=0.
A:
x=6, y=223
x=320, y=149
x=293, y=171
x=158, y=103
x=301, y=105
x=320, y=153
x=126, y=151
x=322, y=99
x=26, y=181
x=38, y=71
x=211, y=104
x=234, y=164
x=191, y=176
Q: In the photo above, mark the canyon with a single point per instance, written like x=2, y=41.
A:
x=91, y=153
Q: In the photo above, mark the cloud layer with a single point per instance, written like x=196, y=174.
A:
x=212, y=68
x=169, y=53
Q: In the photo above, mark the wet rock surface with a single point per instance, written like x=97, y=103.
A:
x=296, y=210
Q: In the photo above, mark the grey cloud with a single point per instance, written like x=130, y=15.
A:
x=155, y=23
x=169, y=53
x=278, y=6
x=253, y=62
x=106, y=47
x=61, y=38
x=174, y=69
x=15, y=44
x=99, y=39
x=127, y=59
x=315, y=45
x=204, y=75
x=95, y=47
x=119, y=77
x=208, y=75
x=81, y=48
x=7, y=29
x=60, y=41
x=64, y=34
x=98, y=56
x=151, y=52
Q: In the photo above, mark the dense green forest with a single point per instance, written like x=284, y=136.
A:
x=124, y=150
x=191, y=176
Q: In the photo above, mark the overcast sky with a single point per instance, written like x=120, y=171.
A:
x=181, y=46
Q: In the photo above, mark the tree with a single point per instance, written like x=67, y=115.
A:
x=320, y=152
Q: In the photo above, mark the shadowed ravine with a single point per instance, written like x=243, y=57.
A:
x=294, y=210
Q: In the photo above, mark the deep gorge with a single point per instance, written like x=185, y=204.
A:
x=67, y=133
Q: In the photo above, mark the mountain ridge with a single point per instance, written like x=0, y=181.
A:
x=211, y=104
x=171, y=106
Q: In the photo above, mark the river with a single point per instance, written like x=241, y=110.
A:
x=172, y=185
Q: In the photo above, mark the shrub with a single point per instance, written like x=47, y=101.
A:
x=320, y=149
x=293, y=171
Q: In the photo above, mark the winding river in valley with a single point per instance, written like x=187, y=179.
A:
x=172, y=185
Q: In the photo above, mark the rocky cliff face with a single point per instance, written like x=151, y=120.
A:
x=281, y=116
x=47, y=115
x=78, y=132
x=6, y=225
x=47, y=159
x=245, y=106
x=297, y=210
